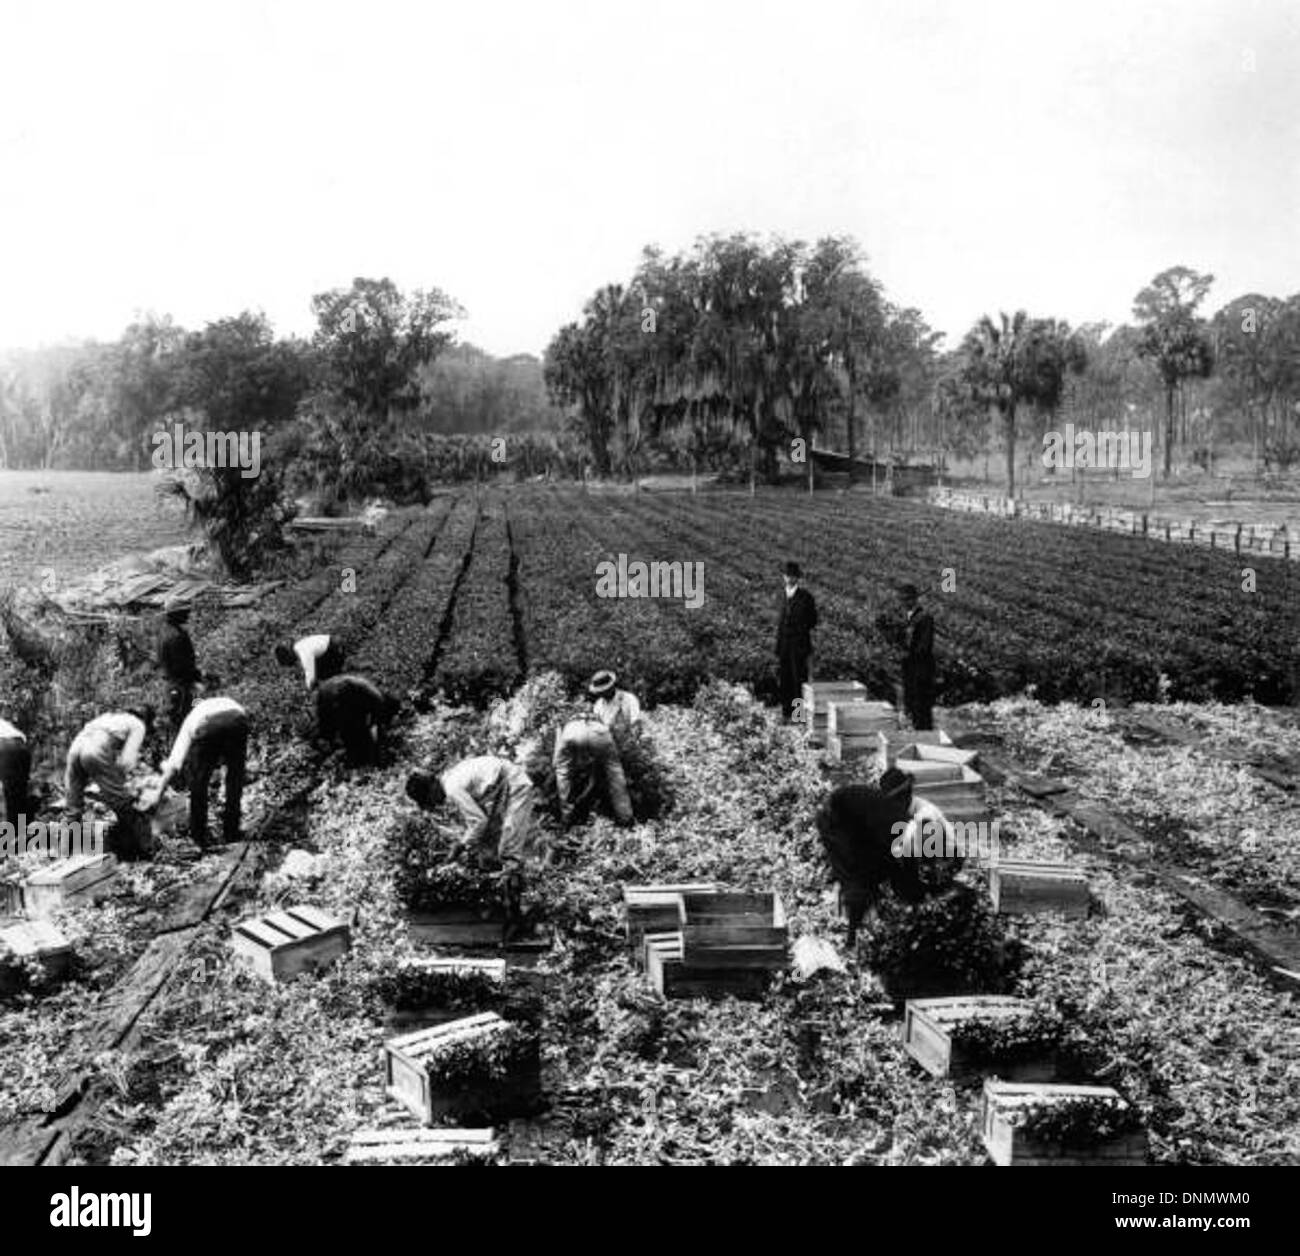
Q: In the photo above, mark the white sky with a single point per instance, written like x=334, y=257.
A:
x=202, y=159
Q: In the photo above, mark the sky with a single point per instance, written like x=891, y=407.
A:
x=201, y=159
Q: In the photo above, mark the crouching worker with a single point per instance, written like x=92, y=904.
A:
x=214, y=734
x=861, y=827
x=495, y=798
x=102, y=754
x=358, y=713
x=320, y=656
x=587, y=766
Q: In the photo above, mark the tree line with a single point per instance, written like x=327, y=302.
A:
x=751, y=349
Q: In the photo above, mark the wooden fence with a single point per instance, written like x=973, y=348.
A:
x=1270, y=540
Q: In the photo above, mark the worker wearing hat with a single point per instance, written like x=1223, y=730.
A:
x=613, y=706
x=178, y=664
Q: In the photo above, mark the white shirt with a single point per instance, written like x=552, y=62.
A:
x=619, y=704
x=9, y=733
x=121, y=727
x=309, y=650
x=200, y=714
x=468, y=784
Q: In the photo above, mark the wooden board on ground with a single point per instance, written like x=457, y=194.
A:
x=1025, y=887
x=1003, y=1102
x=281, y=945
x=70, y=882
x=419, y=1145
x=931, y=1036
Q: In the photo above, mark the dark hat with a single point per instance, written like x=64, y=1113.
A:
x=794, y=571
x=909, y=592
x=425, y=789
x=177, y=614
x=894, y=783
x=602, y=683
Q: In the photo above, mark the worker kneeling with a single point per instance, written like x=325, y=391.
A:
x=495, y=798
x=357, y=712
x=588, y=765
x=214, y=734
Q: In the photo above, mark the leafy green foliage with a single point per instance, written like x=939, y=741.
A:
x=1076, y=1121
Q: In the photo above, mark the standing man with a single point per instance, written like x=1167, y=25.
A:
x=587, y=763
x=179, y=667
x=320, y=655
x=214, y=734
x=918, y=659
x=15, y=771
x=103, y=753
x=613, y=706
x=495, y=798
x=795, y=624
x=356, y=712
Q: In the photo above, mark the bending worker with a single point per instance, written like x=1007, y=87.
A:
x=102, y=754
x=15, y=771
x=587, y=764
x=214, y=734
x=179, y=666
x=357, y=712
x=320, y=655
x=495, y=798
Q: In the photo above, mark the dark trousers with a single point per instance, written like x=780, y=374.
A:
x=180, y=698
x=223, y=743
x=330, y=663
x=352, y=718
x=918, y=697
x=15, y=775
x=793, y=666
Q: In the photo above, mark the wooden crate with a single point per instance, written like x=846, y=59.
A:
x=858, y=718
x=1007, y=1146
x=964, y=793
x=940, y=752
x=724, y=943
x=1024, y=888
x=11, y=894
x=656, y=909
x=928, y=771
x=889, y=745
x=28, y=940
x=414, y=1146
x=671, y=977
x=930, y=1025
x=282, y=945
x=69, y=883
x=411, y=1073
x=820, y=694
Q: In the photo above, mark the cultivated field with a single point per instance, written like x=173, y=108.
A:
x=455, y=605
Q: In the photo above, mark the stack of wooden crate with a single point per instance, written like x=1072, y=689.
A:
x=656, y=909
x=854, y=729
x=723, y=943
x=957, y=790
x=817, y=699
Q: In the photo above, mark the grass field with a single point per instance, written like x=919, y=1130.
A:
x=471, y=595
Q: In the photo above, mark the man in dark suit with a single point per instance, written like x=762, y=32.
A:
x=918, y=659
x=796, y=621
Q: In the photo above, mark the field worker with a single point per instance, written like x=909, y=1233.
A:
x=796, y=619
x=214, y=734
x=918, y=659
x=320, y=655
x=15, y=770
x=873, y=836
x=495, y=797
x=102, y=754
x=613, y=706
x=587, y=763
x=352, y=709
x=178, y=665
